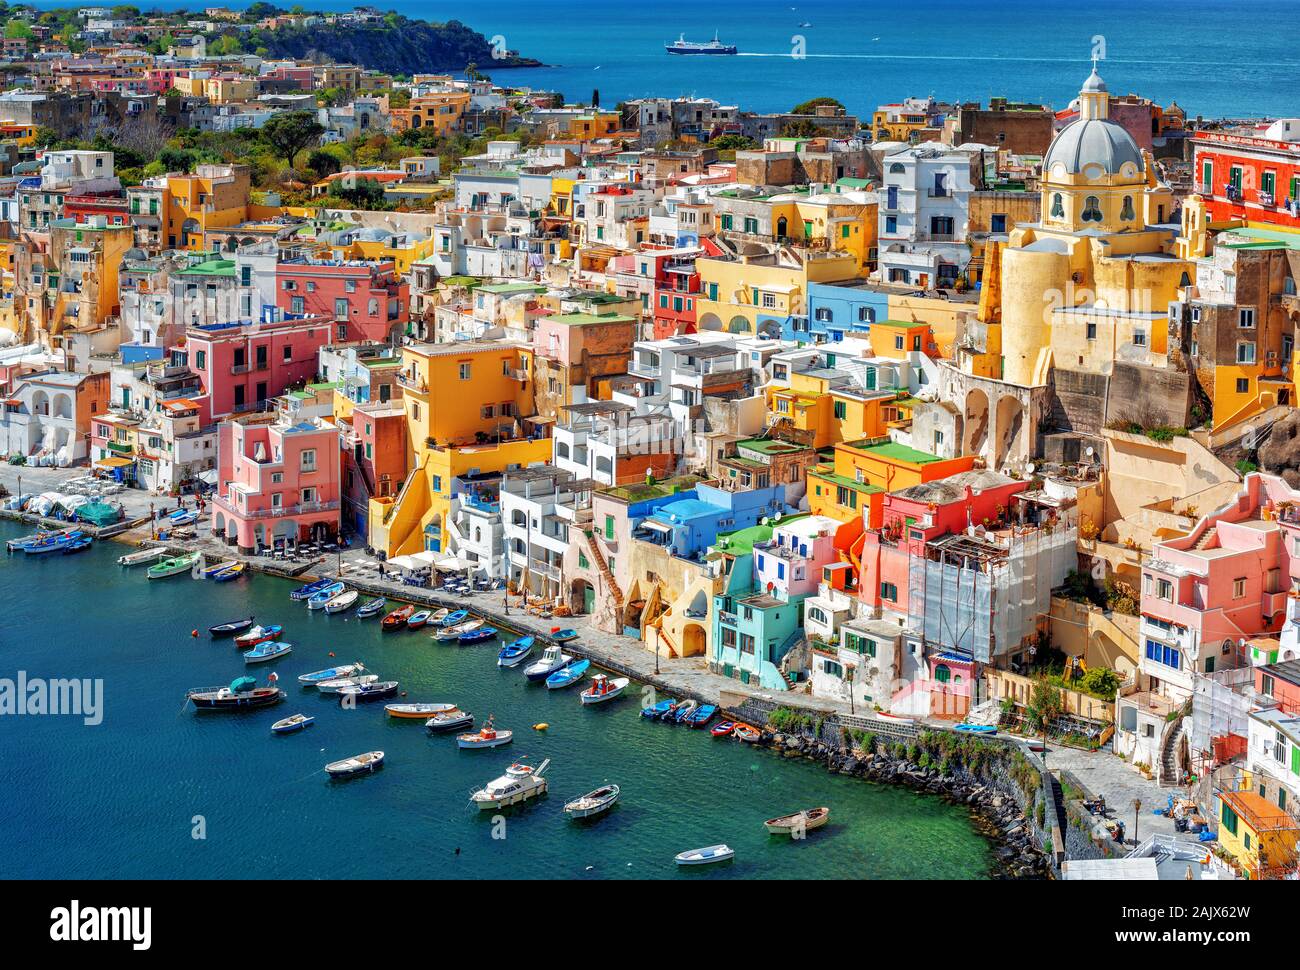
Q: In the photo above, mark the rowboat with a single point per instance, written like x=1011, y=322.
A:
x=259, y=634
x=891, y=718
x=270, y=650
x=657, y=711
x=333, y=673
x=520, y=783
x=371, y=608
x=723, y=729
x=700, y=716
x=79, y=544
x=678, y=714
x=799, y=822
x=52, y=542
x=702, y=857
x=231, y=627
x=593, y=803
x=289, y=725
x=242, y=693
x=513, y=653
x=563, y=636
x=396, y=620
x=318, y=601
x=976, y=728
x=425, y=711
x=234, y=572
x=357, y=765
x=173, y=567
x=141, y=557
x=450, y=720
x=211, y=571
x=567, y=676
x=603, y=689
x=486, y=737
x=338, y=683
x=186, y=517
x=310, y=590
x=437, y=616
x=417, y=620
x=343, y=602
x=477, y=636
x=746, y=732
x=552, y=660
x=368, y=692
x=448, y=633
x=451, y=619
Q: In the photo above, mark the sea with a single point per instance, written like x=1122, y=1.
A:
x=158, y=790
x=1216, y=58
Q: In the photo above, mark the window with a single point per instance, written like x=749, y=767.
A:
x=200, y=360
x=866, y=315
x=465, y=370
x=1058, y=206
x=1091, y=209
x=888, y=591
x=288, y=353
x=296, y=305
x=998, y=222
x=277, y=478
x=1165, y=655
x=1245, y=353
x=891, y=225
x=841, y=410
x=308, y=496
x=308, y=460
x=1126, y=211
x=1165, y=590
x=1139, y=338
x=1246, y=318
x=340, y=309
x=1239, y=588
x=277, y=500
x=1092, y=331
x=823, y=314
x=1229, y=818
x=769, y=301
x=1243, y=385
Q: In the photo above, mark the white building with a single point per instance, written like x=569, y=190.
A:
x=538, y=505
x=924, y=215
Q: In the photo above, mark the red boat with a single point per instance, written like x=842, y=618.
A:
x=723, y=729
x=745, y=732
x=396, y=620
x=259, y=634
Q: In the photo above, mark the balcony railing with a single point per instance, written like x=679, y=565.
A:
x=410, y=383
x=302, y=508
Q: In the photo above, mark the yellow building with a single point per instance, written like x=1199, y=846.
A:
x=830, y=414
x=440, y=111
x=464, y=403
x=758, y=292
x=1261, y=837
x=214, y=197
x=596, y=124
x=401, y=250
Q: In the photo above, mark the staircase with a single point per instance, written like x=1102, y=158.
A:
x=603, y=566
x=1168, y=776
x=1207, y=538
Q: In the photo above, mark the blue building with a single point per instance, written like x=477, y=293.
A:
x=689, y=524
x=836, y=309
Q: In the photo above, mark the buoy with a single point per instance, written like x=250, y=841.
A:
x=331, y=653
x=403, y=693
x=541, y=727
x=194, y=633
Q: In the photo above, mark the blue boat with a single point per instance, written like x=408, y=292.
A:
x=269, y=650
x=333, y=673
x=80, y=544
x=291, y=724
x=564, y=636
x=477, y=636
x=310, y=590
x=658, y=711
x=566, y=676
x=319, y=599
x=976, y=728
x=451, y=619
x=513, y=654
x=54, y=543
x=700, y=716
x=372, y=608
x=185, y=517
x=232, y=572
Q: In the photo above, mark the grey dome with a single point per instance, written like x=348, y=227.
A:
x=1092, y=141
x=1094, y=84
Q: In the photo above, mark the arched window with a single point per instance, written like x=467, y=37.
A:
x=1091, y=209
x=817, y=615
x=897, y=169
x=1058, y=206
x=942, y=674
x=1126, y=212
x=1288, y=286
x=1186, y=280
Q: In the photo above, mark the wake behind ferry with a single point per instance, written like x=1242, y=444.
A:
x=683, y=46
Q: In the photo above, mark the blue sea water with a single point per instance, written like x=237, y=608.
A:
x=1215, y=57
x=125, y=798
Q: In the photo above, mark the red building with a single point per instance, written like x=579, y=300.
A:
x=367, y=301
x=677, y=287
x=1252, y=177
x=112, y=208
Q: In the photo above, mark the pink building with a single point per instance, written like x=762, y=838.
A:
x=366, y=301
x=244, y=364
x=277, y=483
x=789, y=567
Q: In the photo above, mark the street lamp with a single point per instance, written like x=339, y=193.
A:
x=1137, y=807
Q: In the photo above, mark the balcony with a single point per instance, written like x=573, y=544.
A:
x=411, y=384
x=302, y=508
x=240, y=368
x=1267, y=199
x=1233, y=193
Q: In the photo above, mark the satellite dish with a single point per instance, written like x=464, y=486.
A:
x=1088, y=451
x=763, y=520
x=1030, y=468
x=777, y=517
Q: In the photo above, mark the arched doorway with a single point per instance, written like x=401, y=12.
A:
x=1010, y=424
x=693, y=640
x=738, y=324
x=782, y=227
x=582, y=597
x=710, y=321
x=977, y=422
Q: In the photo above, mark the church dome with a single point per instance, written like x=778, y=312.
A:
x=1092, y=141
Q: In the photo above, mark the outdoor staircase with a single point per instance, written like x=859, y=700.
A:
x=1168, y=776
x=1207, y=538
x=605, y=571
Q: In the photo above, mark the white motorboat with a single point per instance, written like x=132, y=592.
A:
x=454, y=632
x=593, y=803
x=336, y=685
x=450, y=721
x=356, y=765
x=705, y=856
x=141, y=557
x=603, y=689
x=552, y=660
x=486, y=737
x=343, y=602
x=331, y=673
x=520, y=783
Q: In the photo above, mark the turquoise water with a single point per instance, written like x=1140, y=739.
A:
x=120, y=799
x=1214, y=58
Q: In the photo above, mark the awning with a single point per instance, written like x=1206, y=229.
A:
x=208, y=476
x=114, y=462
x=453, y=564
x=656, y=526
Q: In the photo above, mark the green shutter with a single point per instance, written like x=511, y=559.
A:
x=1295, y=759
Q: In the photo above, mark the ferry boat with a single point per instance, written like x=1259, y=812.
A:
x=520, y=783
x=242, y=693
x=683, y=46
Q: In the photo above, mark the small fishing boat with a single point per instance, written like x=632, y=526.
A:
x=723, y=729
x=593, y=803
x=477, y=636
x=339, y=683
x=259, y=634
x=425, y=711
x=234, y=572
x=242, y=693
x=1035, y=746
x=520, y=783
x=357, y=765
x=705, y=856
x=230, y=628
x=569, y=675
x=563, y=636
x=417, y=620
x=746, y=732
x=513, y=653
x=450, y=720
x=51, y=542
x=211, y=571
x=396, y=620
x=798, y=823
x=486, y=737
x=79, y=544
x=603, y=689
x=270, y=650
x=289, y=725
x=368, y=692
x=437, y=616
x=320, y=600
x=141, y=557
x=552, y=660
x=343, y=602
x=310, y=590
x=333, y=673
x=700, y=716
x=371, y=608
x=657, y=711
x=184, y=517
x=679, y=712
x=173, y=567
x=976, y=728
x=448, y=633
x=891, y=718
x=451, y=619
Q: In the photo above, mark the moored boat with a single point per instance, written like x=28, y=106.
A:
x=230, y=627
x=173, y=567
x=339, y=683
x=310, y=590
x=270, y=650
x=976, y=728
x=243, y=693
x=259, y=634
x=425, y=711
x=448, y=633
x=318, y=601
x=603, y=689
x=553, y=658
x=477, y=635
x=210, y=571
x=563, y=636
x=486, y=737
x=182, y=517
x=682, y=708
x=141, y=557
x=520, y=783
x=593, y=803
x=437, y=616
x=371, y=608
x=799, y=822
x=723, y=729
x=702, y=857
x=368, y=692
x=700, y=716
x=396, y=620
x=234, y=572
x=451, y=619
x=332, y=673
x=50, y=542
x=417, y=620
x=343, y=602
x=513, y=653
x=746, y=732
x=450, y=720
x=79, y=544
x=356, y=765
x=568, y=675
x=295, y=722
x=657, y=711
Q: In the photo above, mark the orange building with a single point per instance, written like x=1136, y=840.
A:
x=855, y=480
x=441, y=111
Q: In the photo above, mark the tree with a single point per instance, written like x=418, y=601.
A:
x=290, y=132
x=323, y=163
x=732, y=142
x=1045, y=704
x=810, y=107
